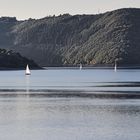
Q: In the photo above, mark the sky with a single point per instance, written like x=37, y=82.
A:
x=24, y=9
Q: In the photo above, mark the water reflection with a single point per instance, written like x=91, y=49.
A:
x=86, y=80
x=70, y=105
x=69, y=118
x=27, y=80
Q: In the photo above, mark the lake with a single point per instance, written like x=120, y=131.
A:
x=70, y=104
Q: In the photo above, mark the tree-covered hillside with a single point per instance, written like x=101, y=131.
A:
x=66, y=39
x=11, y=60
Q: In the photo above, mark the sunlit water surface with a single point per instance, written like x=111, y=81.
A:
x=61, y=118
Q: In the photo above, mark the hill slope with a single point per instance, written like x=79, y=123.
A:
x=11, y=60
x=66, y=39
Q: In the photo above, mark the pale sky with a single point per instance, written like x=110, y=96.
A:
x=24, y=9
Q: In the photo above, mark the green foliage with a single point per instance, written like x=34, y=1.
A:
x=65, y=39
x=9, y=59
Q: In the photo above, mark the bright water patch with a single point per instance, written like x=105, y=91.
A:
x=26, y=112
x=69, y=118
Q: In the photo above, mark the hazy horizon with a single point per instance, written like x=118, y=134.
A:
x=42, y=8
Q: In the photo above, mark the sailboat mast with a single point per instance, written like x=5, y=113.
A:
x=115, y=67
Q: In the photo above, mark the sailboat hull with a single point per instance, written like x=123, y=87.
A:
x=27, y=74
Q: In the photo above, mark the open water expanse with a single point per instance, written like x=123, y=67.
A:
x=70, y=104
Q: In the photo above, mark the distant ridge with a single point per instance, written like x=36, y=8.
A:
x=61, y=40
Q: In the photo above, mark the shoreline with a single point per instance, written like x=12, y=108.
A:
x=84, y=67
x=91, y=67
x=14, y=69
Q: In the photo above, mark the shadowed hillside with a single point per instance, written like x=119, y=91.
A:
x=11, y=60
x=66, y=39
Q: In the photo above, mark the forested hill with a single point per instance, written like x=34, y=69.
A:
x=66, y=39
x=10, y=60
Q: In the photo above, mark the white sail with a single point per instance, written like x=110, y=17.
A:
x=115, y=67
x=27, y=70
x=80, y=66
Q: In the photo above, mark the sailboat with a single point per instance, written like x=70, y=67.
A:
x=115, y=67
x=80, y=66
x=27, y=72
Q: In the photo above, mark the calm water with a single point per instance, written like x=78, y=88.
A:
x=87, y=80
x=62, y=118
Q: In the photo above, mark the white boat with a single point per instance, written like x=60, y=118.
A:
x=115, y=67
x=27, y=72
x=80, y=66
